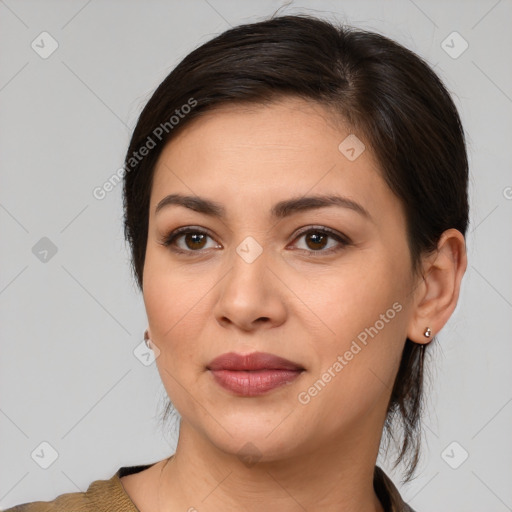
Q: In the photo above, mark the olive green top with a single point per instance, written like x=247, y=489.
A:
x=110, y=496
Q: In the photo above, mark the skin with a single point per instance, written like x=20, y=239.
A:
x=294, y=301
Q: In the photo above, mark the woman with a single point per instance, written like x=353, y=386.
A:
x=295, y=202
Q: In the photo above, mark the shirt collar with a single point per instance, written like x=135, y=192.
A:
x=384, y=488
x=387, y=493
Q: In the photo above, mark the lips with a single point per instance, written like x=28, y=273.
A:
x=253, y=374
x=252, y=362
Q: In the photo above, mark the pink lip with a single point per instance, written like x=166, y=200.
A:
x=253, y=374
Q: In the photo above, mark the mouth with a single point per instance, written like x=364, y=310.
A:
x=253, y=374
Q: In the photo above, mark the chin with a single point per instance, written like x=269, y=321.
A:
x=258, y=447
x=250, y=435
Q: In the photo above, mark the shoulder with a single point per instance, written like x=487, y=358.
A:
x=70, y=502
x=101, y=496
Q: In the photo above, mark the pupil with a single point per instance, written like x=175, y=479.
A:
x=317, y=239
x=195, y=237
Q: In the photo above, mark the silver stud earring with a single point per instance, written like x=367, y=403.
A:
x=146, y=338
x=428, y=332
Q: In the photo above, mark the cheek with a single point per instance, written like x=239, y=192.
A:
x=366, y=310
x=174, y=309
x=356, y=294
x=175, y=303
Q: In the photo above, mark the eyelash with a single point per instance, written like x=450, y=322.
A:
x=343, y=240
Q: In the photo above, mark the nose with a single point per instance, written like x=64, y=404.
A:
x=251, y=296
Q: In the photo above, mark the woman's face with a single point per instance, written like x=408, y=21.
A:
x=274, y=266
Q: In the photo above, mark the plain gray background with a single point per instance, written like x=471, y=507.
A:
x=70, y=321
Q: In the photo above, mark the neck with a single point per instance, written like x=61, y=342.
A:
x=333, y=477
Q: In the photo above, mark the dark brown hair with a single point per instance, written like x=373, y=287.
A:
x=388, y=95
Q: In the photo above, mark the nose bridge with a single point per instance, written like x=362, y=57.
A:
x=247, y=293
x=249, y=262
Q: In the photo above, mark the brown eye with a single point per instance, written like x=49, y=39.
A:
x=187, y=240
x=195, y=240
x=316, y=240
x=321, y=241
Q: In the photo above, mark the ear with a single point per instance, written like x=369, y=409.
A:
x=437, y=294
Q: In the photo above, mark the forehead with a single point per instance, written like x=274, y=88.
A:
x=288, y=147
x=289, y=123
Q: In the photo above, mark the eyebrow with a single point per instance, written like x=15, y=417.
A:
x=279, y=210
